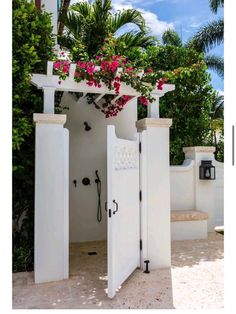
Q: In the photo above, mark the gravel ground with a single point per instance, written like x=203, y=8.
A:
x=194, y=281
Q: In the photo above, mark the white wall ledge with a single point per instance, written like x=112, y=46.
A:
x=199, y=149
x=187, y=165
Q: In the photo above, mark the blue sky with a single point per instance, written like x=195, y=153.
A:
x=185, y=16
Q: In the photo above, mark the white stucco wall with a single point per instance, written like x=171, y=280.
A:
x=155, y=186
x=219, y=193
x=189, y=192
x=182, y=186
x=87, y=154
x=51, y=254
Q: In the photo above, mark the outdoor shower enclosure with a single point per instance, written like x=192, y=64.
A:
x=88, y=153
x=132, y=160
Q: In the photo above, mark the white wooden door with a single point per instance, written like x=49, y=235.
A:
x=122, y=209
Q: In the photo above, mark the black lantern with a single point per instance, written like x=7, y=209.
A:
x=207, y=170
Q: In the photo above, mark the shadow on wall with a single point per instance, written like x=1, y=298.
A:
x=190, y=253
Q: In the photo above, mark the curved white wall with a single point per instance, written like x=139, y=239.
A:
x=182, y=186
x=87, y=154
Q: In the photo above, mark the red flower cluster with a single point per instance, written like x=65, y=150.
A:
x=150, y=70
x=160, y=84
x=106, y=74
x=62, y=66
x=143, y=100
x=113, y=110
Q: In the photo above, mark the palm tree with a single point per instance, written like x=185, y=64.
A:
x=213, y=62
x=208, y=37
x=217, y=117
x=216, y=4
x=91, y=23
x=204, y=40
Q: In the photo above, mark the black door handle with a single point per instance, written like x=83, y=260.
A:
x=117, y=207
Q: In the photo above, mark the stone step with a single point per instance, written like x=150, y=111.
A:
x=188, y=215
x=188, y=224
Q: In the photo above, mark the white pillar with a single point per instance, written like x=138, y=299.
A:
x=155, y=186
x=51, y=198
x=51, y=7
x=204, y=189
x=48, y=99
x=153, y=109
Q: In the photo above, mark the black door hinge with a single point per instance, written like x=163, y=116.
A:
x=140, y=196
x=141, y=245
x=140, y=147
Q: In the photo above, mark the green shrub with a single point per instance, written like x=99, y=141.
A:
x=190, y=104
x=32, y=47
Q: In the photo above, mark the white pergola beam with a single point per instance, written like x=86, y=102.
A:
x=51, y=83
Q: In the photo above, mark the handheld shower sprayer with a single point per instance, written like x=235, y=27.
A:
x=99, y=186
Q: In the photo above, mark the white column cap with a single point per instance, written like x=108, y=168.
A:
x=49, y=118
x=153, y=123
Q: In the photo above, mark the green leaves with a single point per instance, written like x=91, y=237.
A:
x=91, y=23
x=32, y=47
x=190, y=104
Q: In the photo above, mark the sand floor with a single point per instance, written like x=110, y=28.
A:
x=194, y=281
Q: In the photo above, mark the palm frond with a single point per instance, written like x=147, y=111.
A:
x=127, y=16
x=216, y=4
x=137, y=39
x=101, y=10
x=208, y=36
x=217, y=108
x=73, y=23
x=216, y=64
x=83, y=8
x=171, y=38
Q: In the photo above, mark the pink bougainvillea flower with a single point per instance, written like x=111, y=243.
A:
x=114, y=66
x=98, y=57
x=160, y=84
x=90, y=69
x=105, y=65
x=66, y=68
x=90, y=83
x=81, y=64
x=128, y=69
x=150, y=70
x=143, y=100
x=117, y=87
x=57, y=65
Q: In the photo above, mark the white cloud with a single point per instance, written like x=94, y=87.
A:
x=156, y=26
x=221, y=92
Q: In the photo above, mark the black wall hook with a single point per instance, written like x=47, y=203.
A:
x=87, y=127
